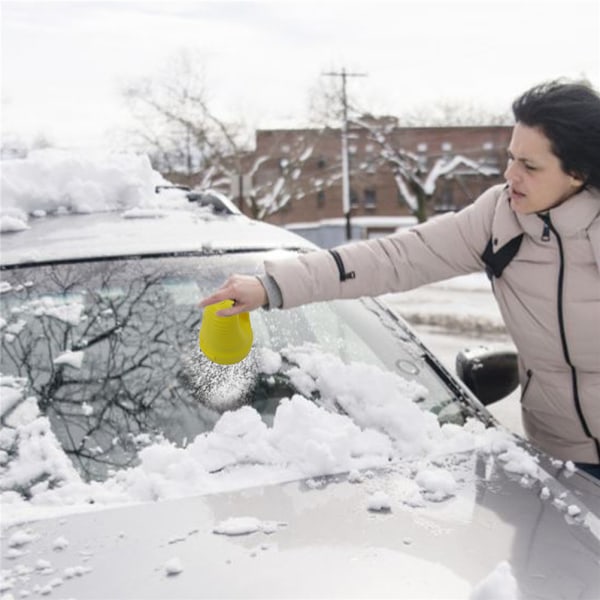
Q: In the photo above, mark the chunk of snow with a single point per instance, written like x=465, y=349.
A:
x=500, y=584
x=238, y=526
x=21, y=537
x=379, y=502
x=438, y=483
x=173, y=566
x=8, y=224
x=60, y=543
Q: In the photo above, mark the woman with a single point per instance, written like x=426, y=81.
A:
x=538, y=238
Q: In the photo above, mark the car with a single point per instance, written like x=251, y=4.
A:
x=339, y=459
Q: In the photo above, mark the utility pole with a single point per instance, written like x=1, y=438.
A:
x=345, y=160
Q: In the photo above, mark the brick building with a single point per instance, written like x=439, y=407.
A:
x=301, y=169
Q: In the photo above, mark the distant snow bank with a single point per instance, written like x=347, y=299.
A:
x=50, y=181
x=461, y=304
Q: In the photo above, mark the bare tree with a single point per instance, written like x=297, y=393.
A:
x=131, y=339
x=189, y=144
x=325, y=103
x=182, y=134
x=286, y=174
x=416, y=177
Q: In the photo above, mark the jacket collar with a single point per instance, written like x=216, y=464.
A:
x=571, y=218
x=505, y=225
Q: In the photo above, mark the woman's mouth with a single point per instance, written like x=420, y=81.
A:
x=516, y=195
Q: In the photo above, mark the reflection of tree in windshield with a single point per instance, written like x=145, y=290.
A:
x=132, y=331
x=109, y=353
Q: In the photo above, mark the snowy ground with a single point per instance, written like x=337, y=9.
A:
x=453, y=315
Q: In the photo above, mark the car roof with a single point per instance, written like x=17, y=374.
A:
x=57, y=238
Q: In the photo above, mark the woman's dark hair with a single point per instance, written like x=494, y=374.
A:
x=569, y=116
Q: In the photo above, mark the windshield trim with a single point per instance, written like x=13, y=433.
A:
x=461, y=394
x=149, y=255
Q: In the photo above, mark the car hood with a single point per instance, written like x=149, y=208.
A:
x=328, y=537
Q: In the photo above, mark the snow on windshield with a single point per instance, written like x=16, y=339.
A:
x=381, y=422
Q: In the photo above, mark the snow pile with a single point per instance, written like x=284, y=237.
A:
x=29, y=450
x=461, y=304
x=50, y=181
x=381, y=425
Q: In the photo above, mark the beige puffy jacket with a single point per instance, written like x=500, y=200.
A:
x=546, y=280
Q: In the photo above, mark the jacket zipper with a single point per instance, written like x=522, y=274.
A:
x=529, y=374
x=548, y=227
x=546, y=232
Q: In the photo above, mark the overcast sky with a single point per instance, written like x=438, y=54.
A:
x=63, y=63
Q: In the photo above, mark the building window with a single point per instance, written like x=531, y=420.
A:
x=445, y=201
x=421, y=158
x=489, y=158
x=320, y=198
x=371, y=168
x=370, y=198
x=321, y=162
x=353, y=198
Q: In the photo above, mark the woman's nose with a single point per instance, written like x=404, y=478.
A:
x=510, y=173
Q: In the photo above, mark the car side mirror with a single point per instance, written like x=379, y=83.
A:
x=490, y=373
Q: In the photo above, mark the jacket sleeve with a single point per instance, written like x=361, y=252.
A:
x=438, y=249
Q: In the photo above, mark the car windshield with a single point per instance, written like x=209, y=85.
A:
x=109, y=350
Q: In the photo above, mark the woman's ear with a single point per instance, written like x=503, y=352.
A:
x=577, y=180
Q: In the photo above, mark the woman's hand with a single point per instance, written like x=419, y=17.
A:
x=246, y=291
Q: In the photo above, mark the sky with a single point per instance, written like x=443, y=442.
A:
x=65, y=62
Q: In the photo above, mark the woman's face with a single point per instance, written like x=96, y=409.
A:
x=534, y=173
